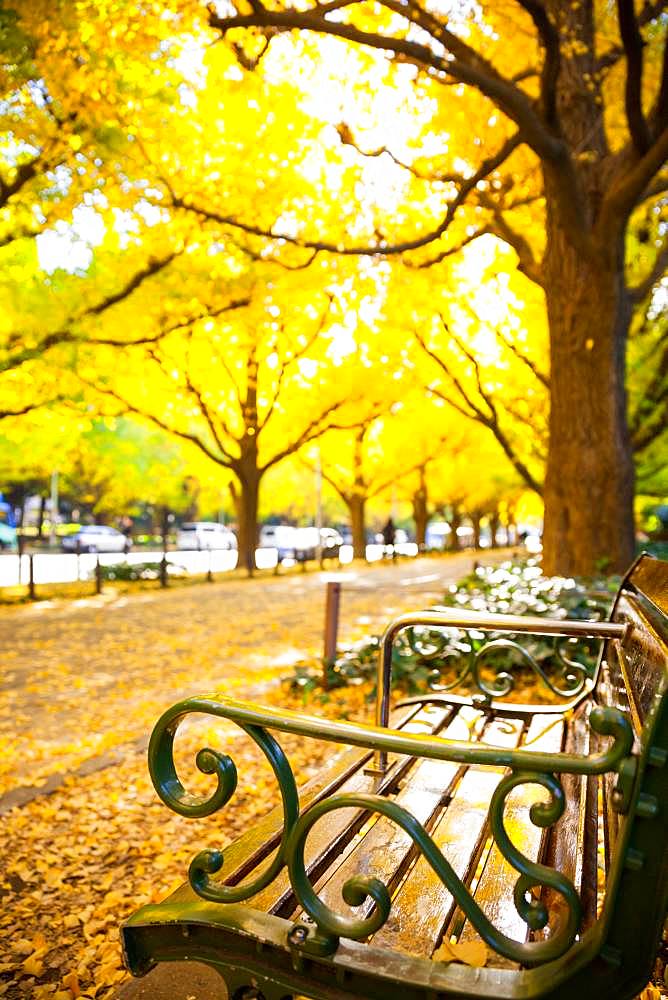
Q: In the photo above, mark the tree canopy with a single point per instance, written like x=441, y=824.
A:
x=252, y=260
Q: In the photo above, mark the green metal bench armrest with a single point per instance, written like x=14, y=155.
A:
x=484, y=622
x=526, y=767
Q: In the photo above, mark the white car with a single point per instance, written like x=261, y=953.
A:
x=96, y=538
x=205, y=535
x=300, y=543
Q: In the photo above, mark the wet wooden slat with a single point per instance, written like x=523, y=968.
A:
x=572, y=843
x=328, y=839
x=423, y=905
x=386, y=849
x=494, y=891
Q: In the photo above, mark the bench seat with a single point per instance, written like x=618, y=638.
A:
x=466, y=772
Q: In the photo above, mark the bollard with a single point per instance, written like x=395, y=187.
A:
x=209, y=572
x=78, y=560
x=332, y=602
x=98, y=576
x=31, y=577
x=163, y=570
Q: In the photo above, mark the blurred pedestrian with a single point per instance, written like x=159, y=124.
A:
x=389, y=533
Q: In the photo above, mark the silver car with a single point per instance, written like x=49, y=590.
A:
x=96, y=538
x=205, y=535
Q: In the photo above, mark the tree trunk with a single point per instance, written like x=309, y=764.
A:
x=421, y=514
x=475, y=523
x=455, y=522
x=589, y=481
x=246, y=501
x=494, y=524
x=356, y=506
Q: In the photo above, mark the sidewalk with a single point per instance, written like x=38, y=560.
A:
x=87, y=841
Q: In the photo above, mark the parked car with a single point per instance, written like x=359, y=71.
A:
x=306, y=543
x=300, y=543
x=438, y=535
x=8, y=537
x=205, y=535
x=96, y=538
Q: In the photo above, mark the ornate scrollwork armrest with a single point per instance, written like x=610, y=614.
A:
x=525, y=766
x=173, y=794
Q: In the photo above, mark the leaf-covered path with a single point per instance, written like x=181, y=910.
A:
x=86, y=841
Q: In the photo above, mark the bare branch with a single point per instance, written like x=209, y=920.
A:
x=183, y=435
x=649, y=421
x=24, y=173
x=659, y=115
x=381, y=247
x=488, y=418
x=524, y=358
x=314, y=429
x=22, y=410
x=465, y=64
x=630, y=188
x=648, y=13
x=153, y=267
x=288, y=362
x=527, y=263
x=549, y=36
x=633, y=45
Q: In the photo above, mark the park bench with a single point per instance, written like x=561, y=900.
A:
x=540, y=830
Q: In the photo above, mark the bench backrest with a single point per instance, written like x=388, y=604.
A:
x=634, y=677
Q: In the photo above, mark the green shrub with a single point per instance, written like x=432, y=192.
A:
x=425, y=657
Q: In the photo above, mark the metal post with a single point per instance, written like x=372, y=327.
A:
x=98, y=576
x=163, y=562
x=332, y=602
x=78, y=559
x=209, y=573
x=31, y=577
x=20, y=542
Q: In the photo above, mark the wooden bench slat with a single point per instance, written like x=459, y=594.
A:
x=452, y=801
x=637, y=668
x=329, y=839
x=494, y=891
x=423, y=904
x=572, y=843
x=386, y=850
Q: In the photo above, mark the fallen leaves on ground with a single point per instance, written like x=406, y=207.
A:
x=84, y=681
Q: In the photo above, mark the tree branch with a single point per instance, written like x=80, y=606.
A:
x=296, y=356
x=549, y=36
x=465, y=65
x=381, y=247
x=648, y=13
x=314, y=429
x=630, y=187
x=633, y=45
x=487, y=419
x=184, y=435
x=24, y=173
x=524, y=358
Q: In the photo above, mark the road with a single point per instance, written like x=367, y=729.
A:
x=83, y=678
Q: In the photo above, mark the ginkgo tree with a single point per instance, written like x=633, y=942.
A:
x=553, y=151
x=247, y=385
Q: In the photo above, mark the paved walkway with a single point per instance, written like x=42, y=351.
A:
x=82, y=680
x=82, y=684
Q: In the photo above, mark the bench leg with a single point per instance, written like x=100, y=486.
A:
x=239, y=988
